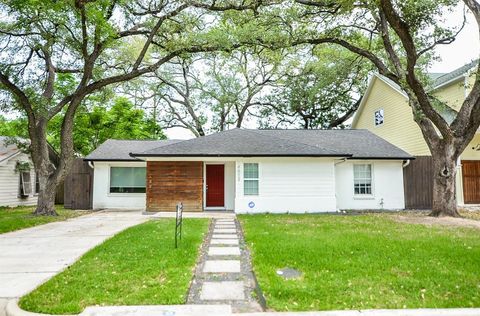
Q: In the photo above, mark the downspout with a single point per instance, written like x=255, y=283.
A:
x=406, y=163
x=90, y=164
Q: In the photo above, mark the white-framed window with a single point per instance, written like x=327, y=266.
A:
x=250, y=178
x=25, y=184
x=379, y=117
x=127, y=179
x=362, y=179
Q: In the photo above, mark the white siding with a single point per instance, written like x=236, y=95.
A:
x=387, y=180
x=102, y=198
x=295, y=185
x=10, y=182
x=230, y=185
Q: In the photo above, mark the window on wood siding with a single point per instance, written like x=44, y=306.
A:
x=250, y=178
x=362, y=179
x=25, y=184
x=127, y=179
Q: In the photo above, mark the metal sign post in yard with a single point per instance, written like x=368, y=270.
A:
x=178, y=223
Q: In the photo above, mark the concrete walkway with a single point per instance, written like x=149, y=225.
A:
x=224, y=273
x=29, y=257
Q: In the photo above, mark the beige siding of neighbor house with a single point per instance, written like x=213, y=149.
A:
x=398, y=128
x=10, y=182
x=453, y=94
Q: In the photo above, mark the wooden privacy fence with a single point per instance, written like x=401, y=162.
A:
x=418, y=183
x=78, y=186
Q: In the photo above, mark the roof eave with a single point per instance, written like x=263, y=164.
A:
x=383, y=158
x=112, y=159
x=449, y=82
x=238, y=155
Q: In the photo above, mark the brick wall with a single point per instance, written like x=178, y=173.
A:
x=171, y=182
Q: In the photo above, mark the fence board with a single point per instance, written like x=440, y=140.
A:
x=78, y=187
x=418, y=183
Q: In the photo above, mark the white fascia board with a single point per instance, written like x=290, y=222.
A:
x=6, y=159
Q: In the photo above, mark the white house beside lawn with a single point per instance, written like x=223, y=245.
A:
x=252, y=171
x=17, y=177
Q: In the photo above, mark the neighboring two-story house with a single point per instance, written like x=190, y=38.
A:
x=385, y=112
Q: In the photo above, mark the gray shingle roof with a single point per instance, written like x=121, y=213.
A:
x=283, y=143
x=454, y=74
x=116, y=149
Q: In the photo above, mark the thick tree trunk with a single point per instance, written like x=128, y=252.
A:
x=46, y=198
x=44, y=168
x=445, y=171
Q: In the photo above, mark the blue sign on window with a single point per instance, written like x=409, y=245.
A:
x=251, y=204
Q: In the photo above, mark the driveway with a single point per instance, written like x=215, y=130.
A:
x=31, y=256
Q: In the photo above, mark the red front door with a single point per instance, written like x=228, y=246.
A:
x=215, y=185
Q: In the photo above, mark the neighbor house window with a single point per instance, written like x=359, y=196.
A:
x=250, y=178
x=379, y=117
x=362, y=179
x=37, y=184
x=25, y=184
x=127, y=179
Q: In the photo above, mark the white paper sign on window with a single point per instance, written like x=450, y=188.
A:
x=379, y=117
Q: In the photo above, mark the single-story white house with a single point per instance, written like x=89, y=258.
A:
x=249, y=171
x=18, y=185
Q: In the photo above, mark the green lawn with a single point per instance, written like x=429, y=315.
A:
x=362, y=262
x=15, y=218
x=139, y=266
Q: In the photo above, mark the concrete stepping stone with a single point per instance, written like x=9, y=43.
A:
x=224, y=290
x=225, y=221
x=224, y=227
x=224, y=251
x=222, y=266
x=224, y=242
x=224, y=236
x=224, y=231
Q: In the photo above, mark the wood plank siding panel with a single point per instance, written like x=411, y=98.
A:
x=172, y=182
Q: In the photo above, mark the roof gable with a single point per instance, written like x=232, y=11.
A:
x=8, y=149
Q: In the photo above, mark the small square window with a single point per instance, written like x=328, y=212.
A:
x=379, y=117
